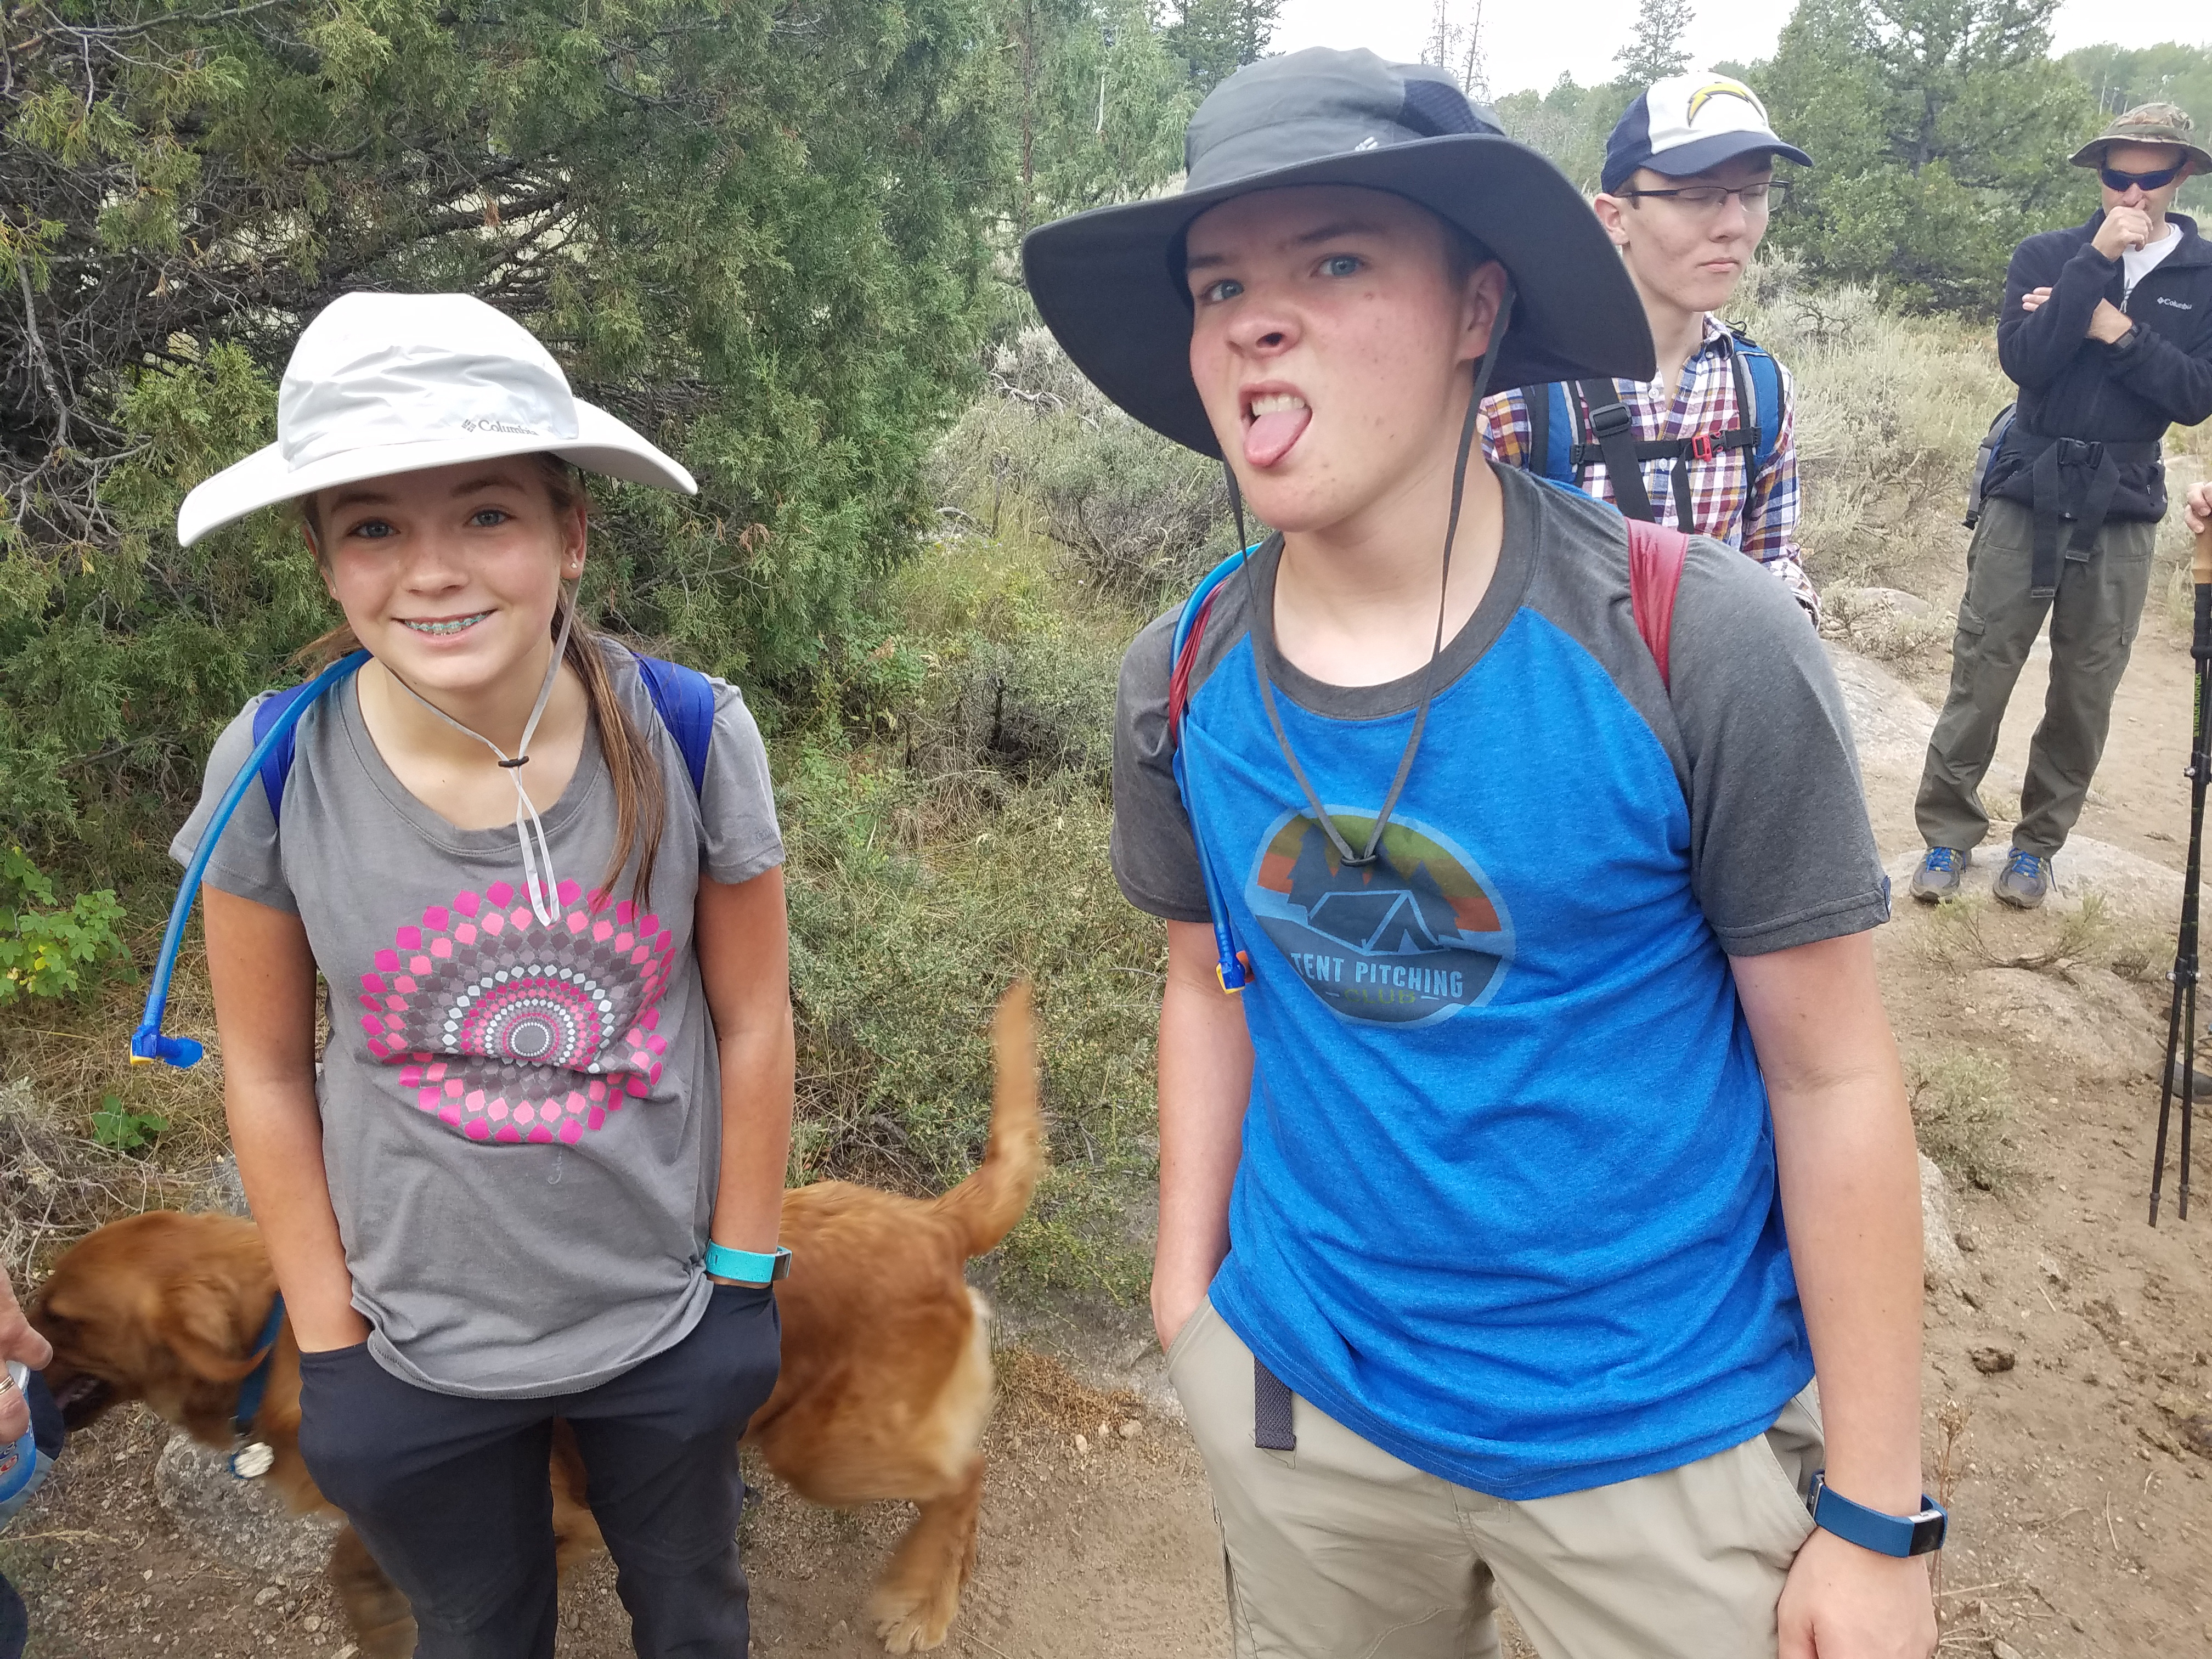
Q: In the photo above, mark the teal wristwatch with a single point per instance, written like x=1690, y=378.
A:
x=1872, y=1530
x=754, y=1266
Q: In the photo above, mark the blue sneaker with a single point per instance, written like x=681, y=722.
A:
x=2025, y=881
x=1937, y=877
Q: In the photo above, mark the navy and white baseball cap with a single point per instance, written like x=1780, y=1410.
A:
x=1688, y=123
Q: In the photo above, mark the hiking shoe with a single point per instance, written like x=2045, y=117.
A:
x=1937, y=877
x=2025, y=881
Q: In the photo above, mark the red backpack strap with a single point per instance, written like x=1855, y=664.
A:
x=1186, y=659
x=1654, y=575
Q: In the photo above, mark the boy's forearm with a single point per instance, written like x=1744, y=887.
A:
x=1205, y=1081
x=1850, y=1198
x=277, y=1134
x=758, y=1065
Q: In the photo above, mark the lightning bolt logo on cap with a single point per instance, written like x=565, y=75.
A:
x=1724, y=89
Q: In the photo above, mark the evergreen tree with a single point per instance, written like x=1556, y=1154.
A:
x=1655, y=50
x=1568, y=123
x=1216, y=38
x=1098, y=100
x=1939, y=131
x=762, y=236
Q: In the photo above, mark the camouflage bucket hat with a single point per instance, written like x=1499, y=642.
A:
x=2146, y=124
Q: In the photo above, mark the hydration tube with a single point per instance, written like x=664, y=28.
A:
x=148, y=1044
x=1233, y=968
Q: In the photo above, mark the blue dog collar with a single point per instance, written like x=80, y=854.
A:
x=754, y=1267
x=254, y=1458
x=1872, y=1530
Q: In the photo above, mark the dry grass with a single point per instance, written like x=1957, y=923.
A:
x=1962, y=1116
x=1891, y=412
x=1957, y=936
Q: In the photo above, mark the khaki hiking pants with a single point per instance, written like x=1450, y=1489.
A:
x=2093, y=621
x=1339, y=1550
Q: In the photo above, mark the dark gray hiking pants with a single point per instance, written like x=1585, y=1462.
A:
x=452, y=1498
x=2093, y=620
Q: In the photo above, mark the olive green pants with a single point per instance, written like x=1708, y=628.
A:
x=1339, y=1550
x=2093, y=620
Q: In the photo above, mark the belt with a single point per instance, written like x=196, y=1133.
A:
x=2074, y=480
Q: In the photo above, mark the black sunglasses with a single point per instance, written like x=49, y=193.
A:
x=2115, y=180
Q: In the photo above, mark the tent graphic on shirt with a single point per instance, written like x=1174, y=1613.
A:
x=1416, y=937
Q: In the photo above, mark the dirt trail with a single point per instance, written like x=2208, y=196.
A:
x=2084, y=1521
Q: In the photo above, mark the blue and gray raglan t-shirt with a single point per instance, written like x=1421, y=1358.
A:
x=1507, y=1205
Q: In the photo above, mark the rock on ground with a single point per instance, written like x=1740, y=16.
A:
x=242, y=1523
x=1944, y=1267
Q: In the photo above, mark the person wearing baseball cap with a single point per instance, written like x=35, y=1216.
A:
x=534, y=1170
x=1709, y=443
x=1502, y=978
x=2107, y=331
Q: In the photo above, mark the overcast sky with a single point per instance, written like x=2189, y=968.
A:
x=1530, y=44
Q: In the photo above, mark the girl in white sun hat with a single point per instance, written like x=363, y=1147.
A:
x=538, y=1173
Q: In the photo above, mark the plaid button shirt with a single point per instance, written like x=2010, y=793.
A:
x=1756, y=514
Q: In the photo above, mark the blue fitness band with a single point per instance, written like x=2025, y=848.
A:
x=1872, y=1530
x=753, y=1266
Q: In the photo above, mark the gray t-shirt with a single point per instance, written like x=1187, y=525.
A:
x=521, y=1124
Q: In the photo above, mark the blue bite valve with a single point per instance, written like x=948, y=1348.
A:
x=149, y=1044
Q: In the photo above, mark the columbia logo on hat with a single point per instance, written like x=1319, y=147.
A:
x=1689, y=123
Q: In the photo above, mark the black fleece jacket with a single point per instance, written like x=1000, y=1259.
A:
x=2072, y=386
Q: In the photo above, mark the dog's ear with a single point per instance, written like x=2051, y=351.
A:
x=210, y=1329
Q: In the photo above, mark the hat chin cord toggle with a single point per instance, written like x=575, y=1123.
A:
x=537, y=860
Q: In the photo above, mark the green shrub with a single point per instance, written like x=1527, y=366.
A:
x=48, y=952
x=1890, y=413
x=1962, y=1116
x=1142, y=516
x=931, y=865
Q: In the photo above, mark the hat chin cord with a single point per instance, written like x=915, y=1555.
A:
x=536, y=861
x=1343, y=847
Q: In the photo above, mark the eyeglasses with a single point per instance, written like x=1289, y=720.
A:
x=1763, y=196
x=2115, y=180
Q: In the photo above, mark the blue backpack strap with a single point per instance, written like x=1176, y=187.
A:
x=684, y=699
x=277, y=764
x=1556, y=460
x=1766, y=393
x=1233, y=969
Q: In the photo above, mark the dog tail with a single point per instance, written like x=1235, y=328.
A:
x=989, y=1202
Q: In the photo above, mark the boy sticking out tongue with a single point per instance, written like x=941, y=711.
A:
x=1471, y=1263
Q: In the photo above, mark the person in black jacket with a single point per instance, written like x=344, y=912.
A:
x=2107, y=329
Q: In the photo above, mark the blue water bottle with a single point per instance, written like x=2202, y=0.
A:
x=19, y=1463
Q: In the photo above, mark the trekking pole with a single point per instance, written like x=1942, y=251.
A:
x=2181, y=1021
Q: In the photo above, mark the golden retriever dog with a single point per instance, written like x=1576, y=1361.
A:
x=884, y=1391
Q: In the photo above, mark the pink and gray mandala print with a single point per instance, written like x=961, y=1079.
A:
x=506, y=1029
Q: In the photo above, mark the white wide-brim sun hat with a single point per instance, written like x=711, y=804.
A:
x=381, y=383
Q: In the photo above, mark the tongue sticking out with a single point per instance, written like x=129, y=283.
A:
x=1269, y=438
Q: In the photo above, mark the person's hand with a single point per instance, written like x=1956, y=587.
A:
x=1173, y=1304
x=2124, y=227
x=2034, y=299
x=2108, y=322
x=1845, y=1602
x=17, y=1341
x=2197, y=507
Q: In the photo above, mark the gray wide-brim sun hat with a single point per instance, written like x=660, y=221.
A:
x=381, y=383
x=1110, y=285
